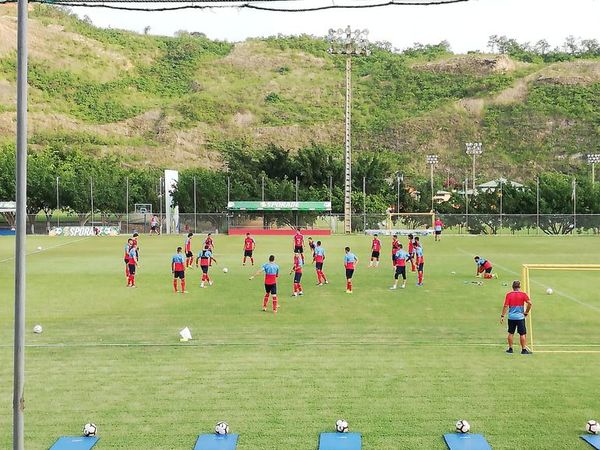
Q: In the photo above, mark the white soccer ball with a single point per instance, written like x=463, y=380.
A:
x=225, y=270
x=341, y=426
x=89, y=429
x=221, y=428
x=462, y=426
x=38, y=329
x=549, y=291
x=592, y=427
x=39, y=248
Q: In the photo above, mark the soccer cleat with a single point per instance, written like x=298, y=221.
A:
x=509, y=350
x=295, y=294
x=326, y=282
x=264, y=309
x=393, y=288
x=202, y=284
x=419, y=284
x=348, y=291
x=184, y=292
x=300, y=293
x=495, y=276
x=319, y=284
x=526, y=351
x=210, y=283
x=403, y=286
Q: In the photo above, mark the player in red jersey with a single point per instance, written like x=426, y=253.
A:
x=514, y=304
x=205, y=257
x=189, y=254
x=249, y=246
x=209, y=241
x=126, y=256
x=437, y=227
x=178, y=270
x=132, y=264
x=411, y=252
x=297, y=271
x=395, y=248
x=484, y=267
x=299, y=244
x=375, y=250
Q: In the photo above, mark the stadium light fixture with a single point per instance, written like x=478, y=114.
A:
x=593, y=158
x=474, y=149
x=432, y=160
x=349, y=43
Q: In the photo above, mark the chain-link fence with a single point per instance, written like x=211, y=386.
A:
x=462, y=224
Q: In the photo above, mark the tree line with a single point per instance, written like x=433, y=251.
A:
x=65, y=180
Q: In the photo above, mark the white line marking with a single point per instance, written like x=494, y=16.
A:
x=47, y=248
x=560, y=293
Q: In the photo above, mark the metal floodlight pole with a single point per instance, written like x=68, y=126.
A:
x=262, y=194
x=57, y=202
x=501, y=195
x=432, y=160
x=364, y=203
x=537, y=203
x=349, y=43
x=592, y=159
x=195, y=210
x=397, y=193
x=466, y=203
x=92, y=199
x=474, y=149
x=20, y=227
x=127, y=203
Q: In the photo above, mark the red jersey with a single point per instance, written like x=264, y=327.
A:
x=209, y=242
x=248, y=243
x=411, y=247
x=297, y=264
x=376, y=245
x=298, y=240
x=188, y=245
x=395, y=246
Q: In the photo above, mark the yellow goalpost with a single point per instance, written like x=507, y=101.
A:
x=550, y=267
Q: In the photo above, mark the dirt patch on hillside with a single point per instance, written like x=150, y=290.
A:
x=63, y=49
x=570, y=73
x=257, y=56
x=471, y=65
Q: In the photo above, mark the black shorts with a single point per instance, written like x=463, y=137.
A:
x=153, y=227
x=248, y=253
x=319, y=265
x=518, y=325
x=126, y=261
x=438, y=232
x=349, y=273
x=179, y=274
x=299, y=249
x=189, y=255
x=400, y=270
x=374, y=254
x=297, y=277
x=204, y=269
x=393, y=258
x=488, y=270
x=420, y=267
x=271, y=289
x=131, y=269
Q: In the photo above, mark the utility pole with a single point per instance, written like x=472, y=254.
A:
x=474, y=149
x=432, y=160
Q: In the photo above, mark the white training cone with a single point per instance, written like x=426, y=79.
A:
x=185, y=334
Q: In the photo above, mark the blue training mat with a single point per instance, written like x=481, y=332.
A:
x=75, y=443
x=340, y=441
x=593, y=440
x=216, y=442
x=466, y=441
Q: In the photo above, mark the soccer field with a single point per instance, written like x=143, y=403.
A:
x=401, y=366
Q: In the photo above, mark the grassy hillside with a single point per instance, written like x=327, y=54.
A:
x=175, y=101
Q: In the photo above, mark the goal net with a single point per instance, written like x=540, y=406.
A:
x=567, y=320
x=403, y=224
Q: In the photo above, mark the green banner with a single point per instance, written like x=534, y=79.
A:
x=279, y=206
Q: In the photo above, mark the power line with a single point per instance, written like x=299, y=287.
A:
x=218, y=4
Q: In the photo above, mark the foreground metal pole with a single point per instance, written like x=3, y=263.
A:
x=20, y=282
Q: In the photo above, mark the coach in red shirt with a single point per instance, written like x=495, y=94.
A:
x=514, y=303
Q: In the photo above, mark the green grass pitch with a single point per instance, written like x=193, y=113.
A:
x=401, y=366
